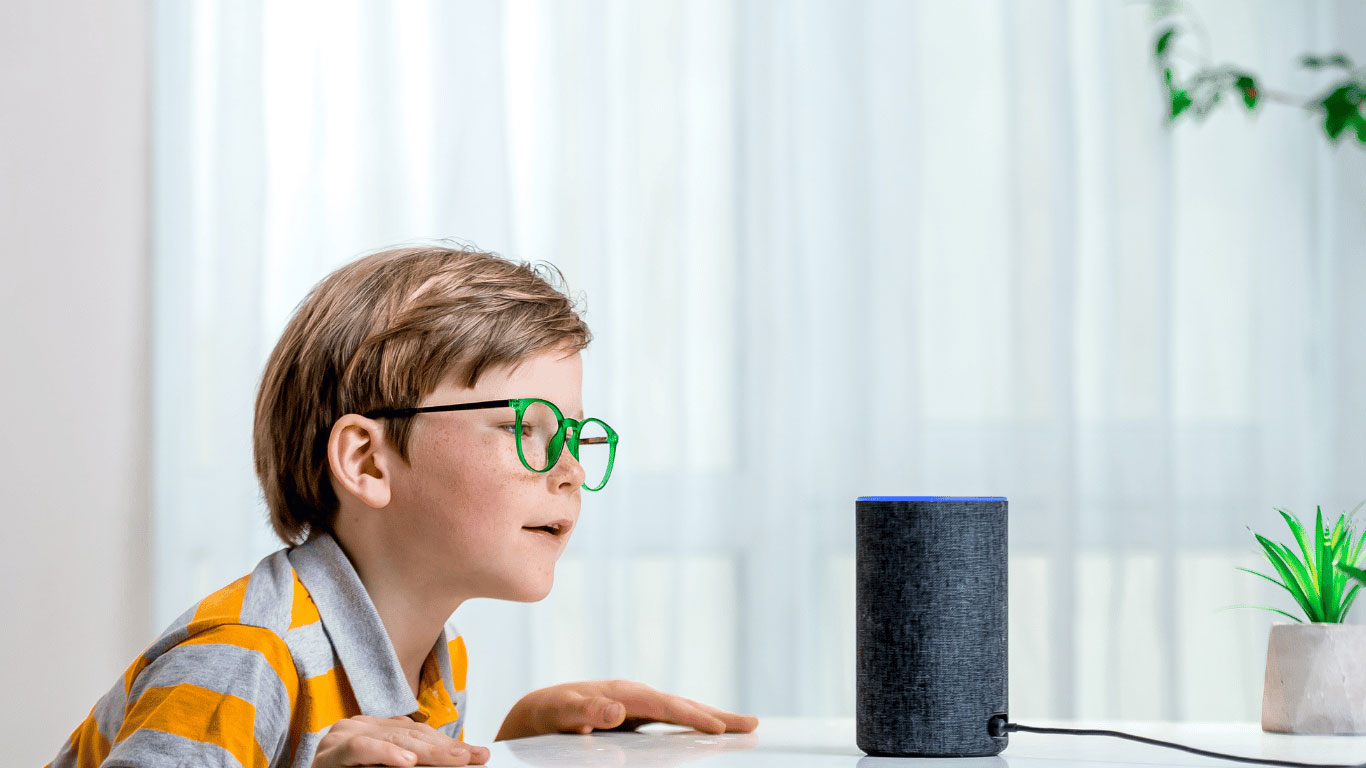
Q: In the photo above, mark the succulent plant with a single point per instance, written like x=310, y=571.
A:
x=1320, y=582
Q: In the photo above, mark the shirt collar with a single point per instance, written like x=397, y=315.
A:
x=355, y=630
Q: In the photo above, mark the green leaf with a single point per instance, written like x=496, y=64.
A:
x=1248, y=88
x=1354, y=554
x=1324, y=563
x=1335, y=121
x=1342, y=540
x=1297, y=529
x=1354, y=572
x=1335, y=542
x=1303, y=573
x=1294, y=585
x=1340, y=109
x=1264, y=576
x=1164, y=40
x=1305, y=586
x=1180, y=101
x=1264, y=608
x=1347, y=602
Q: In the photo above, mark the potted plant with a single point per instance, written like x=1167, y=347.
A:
x=1316, y=667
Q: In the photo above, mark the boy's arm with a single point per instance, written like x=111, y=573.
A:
x=612, y=705
x=222, y=697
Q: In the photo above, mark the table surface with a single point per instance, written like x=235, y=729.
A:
x=829, y=743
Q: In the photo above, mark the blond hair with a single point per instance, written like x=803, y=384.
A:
x=384, y=331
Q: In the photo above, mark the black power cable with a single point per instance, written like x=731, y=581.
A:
x=997, y=726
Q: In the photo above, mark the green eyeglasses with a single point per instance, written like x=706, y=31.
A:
x=542, y=432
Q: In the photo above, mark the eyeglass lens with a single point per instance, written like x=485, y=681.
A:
x=538, y=430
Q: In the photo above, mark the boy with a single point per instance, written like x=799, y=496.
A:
x=337, y=650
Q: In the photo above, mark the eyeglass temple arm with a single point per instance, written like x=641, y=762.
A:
x=382, y=412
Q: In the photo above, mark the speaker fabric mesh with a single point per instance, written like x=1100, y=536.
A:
x=931, y=603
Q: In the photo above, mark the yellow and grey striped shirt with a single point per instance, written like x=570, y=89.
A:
x=257, y=672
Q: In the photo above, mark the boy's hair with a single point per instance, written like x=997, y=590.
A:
x=383, y=331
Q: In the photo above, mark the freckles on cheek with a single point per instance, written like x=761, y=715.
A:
x=489, y=502
x=463, y=465
x=471, y=476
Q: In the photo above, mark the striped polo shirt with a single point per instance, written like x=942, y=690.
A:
x=257, y=672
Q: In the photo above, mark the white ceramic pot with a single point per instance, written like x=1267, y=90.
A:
x=1315, y=679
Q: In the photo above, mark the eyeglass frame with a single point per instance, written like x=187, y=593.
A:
x=519, y=405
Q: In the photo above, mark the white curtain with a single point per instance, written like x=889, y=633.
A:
x=828, y=249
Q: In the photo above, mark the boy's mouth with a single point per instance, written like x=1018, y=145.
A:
x=557, y=528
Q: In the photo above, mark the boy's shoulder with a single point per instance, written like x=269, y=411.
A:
x=254, y=613
x=269, y=598
x=227, y=666
x=276, y=607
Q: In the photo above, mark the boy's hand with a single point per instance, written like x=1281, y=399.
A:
x=612, y=705
x=366, y=740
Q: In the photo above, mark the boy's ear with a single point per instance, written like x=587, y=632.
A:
x=357, y=463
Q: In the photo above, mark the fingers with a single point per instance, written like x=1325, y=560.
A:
x=703, y=720
x=624, y=704
x=734, y=722
x=396, y=741
x=657, y=705
x=431, y=744
x=643, y=700
x=603, y=712
x=432, y=751
x=367, y=750
x=578, y=713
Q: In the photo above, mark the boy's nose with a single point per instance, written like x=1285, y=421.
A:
x=567, y=463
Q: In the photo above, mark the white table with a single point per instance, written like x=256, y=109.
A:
x=829, y=743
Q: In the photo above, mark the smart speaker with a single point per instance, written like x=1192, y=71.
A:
x=931, y=633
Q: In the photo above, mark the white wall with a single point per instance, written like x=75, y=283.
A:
x=73, y=384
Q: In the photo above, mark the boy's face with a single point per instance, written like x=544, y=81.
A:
x=459, y=515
